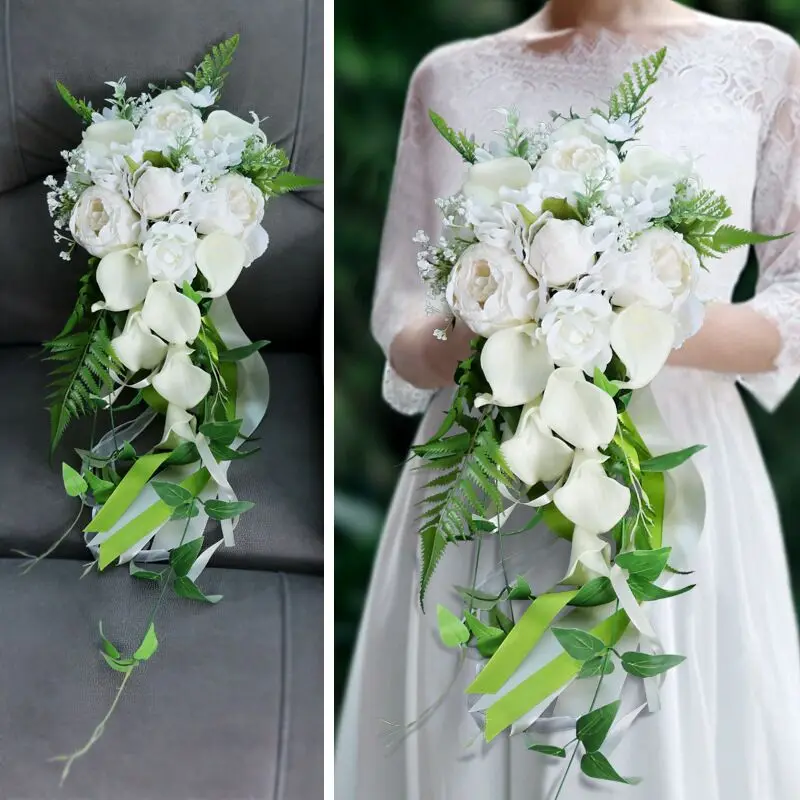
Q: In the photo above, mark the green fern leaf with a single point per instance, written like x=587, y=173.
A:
x=433, y=546
x=629, y=97
x=728, y=237
x=211, y=71
x=80, y=107
x=288, y=182
x=463, y=145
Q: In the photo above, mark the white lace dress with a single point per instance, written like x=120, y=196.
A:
x=729, y=727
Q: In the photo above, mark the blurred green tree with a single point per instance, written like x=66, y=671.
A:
x=376, y=48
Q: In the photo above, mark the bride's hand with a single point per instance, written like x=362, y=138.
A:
x=425, y=361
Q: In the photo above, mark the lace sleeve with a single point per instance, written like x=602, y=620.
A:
x=777, y=209
x=399, y=291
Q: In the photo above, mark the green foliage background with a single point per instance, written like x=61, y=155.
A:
x=376, y=48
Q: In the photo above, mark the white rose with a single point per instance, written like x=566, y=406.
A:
x=533, y=453
x=158, y=191
x=561, y=252
x=222, y=124
x=490, y=290
x=107, y=137
x=169, y=250
x=180, y=382
x=643, y=163
x=169, y=118
x=136, y=347
x=123, y=279
x=577, y=327
x=102, y=220
x=170, y=314
x=486, y=179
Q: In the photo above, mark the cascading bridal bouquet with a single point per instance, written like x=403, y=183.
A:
x=167, y=197
x=574, y=255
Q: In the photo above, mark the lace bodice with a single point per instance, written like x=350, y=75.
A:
x=729, y=93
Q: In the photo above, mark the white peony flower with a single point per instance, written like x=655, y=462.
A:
x=102, y=139
x=486, y=179
x=169, y=119
x=533, y=453
x=490, y=290
x=180, y=382
x=158, y=191
x=102, y=221
x=643, y=338
x=643, y=163
x=179, y=426
x=169, y=250
x=136, y=347
x=223, y=125
x=578, y=411
x=516, y=365
x=170, y=314
x=123, y=279
x=561, y=252
x=589, y=498
x=577, y=327
x=220, y=258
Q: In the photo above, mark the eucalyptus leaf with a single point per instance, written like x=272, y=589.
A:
x=239, y=353
x=644, y=665
x=223, y=509
x=148, y=646
x=592, y=728
x=548, y=750
x=599, y=665
x=452, y=631
x=580, y=645
x=186, y=588
x=647, y=564
x=596, y=765
x=172, y=494
x=670, y=460
x=182, y=558
x=74, y=483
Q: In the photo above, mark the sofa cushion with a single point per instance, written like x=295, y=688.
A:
x=284, y=478
x=229, y=707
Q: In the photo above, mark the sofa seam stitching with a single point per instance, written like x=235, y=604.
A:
x=303, y=69
x=12, y=111
x=286, y=665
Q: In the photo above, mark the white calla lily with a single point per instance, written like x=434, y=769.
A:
x=123, y=279
x=170, y=314
x=577, y=410
x=136, y=347
x=516, y=364
x=220, y=257
x=180, y=382
x=533, y=453
x=179, y=426
x=589, y=558
x=643, y=338
x=589, y=498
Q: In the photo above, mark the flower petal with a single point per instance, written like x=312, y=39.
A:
x=180, y=382
x=578, y=411
x=220, y=257
x=170, y=314
x=123, y=279
x=136, y=347
x=589, y=558
x=516, y=365
x=179, y=426
x=643, y=338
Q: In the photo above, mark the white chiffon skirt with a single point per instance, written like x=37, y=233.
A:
x=729, y=724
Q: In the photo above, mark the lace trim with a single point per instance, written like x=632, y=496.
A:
x=404, y=397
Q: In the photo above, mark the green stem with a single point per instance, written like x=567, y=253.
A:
x=36, y=559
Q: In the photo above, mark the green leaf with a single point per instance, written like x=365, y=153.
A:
x=74, y=483
x=433, y=544
x=222, y=432
x=222, y=509
x=670, y=460
x=560, y=208
x=592, y=728
x=289, y=182
x=480, y=600
x=80, y=107
x=211, y=71
x=630, y=95
x=188, y=589
x=644, y=665
x=580, y=645
x=647, y=564
x=182, y=558
x=148, y=646
x=596, y=765
x=238, y=353
x=528, y=217
x=127, y=452
x=596, y=592
x=194, y=296
x=101, y=489
x=729, y=237
x=556, y=521
x=644, y=590
x=548, y=750
x=224, y=453
x=107, y=645
x=186, y=511
x=143, y=574
x=463, y=145
x=520, y=590
x=119, y=664
x=184, y=453
x=156, y=158
x=154, y=399
x=172, y=494
x=599, y=665
x=601, y=382
x=452, y=631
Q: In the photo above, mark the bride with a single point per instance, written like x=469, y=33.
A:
x=729, y=724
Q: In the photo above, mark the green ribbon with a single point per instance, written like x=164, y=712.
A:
x=522, y=638
x=547, y=680
x=127, y=491
x=151, y=518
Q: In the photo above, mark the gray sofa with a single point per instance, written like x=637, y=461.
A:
x=230, y=708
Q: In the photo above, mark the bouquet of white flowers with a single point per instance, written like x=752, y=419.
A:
x=167, y=197
x=574, y=254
